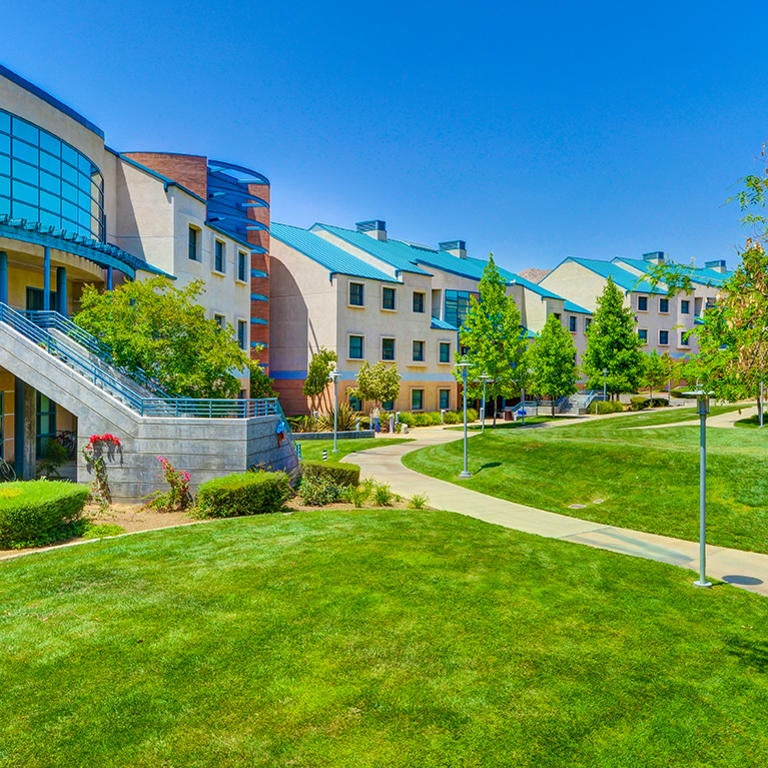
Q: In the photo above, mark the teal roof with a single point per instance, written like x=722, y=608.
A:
x=569, y=306
x=447, y=262
x=701, y=275
x=336, y=260
x=394, y=252
x=441, y=325
x=623, y=278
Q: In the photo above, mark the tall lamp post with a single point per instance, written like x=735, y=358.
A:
x=334, y=377
x=463, y=366
x=702, y=403
x=485, y=378
x=605, y=382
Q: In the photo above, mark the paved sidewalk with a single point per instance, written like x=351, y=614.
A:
x=743, y=569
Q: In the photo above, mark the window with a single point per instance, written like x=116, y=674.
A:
x=685, y=307
x=444, y=396
x=642, y=303
x=456, y=307
x=572, y=324
x=221, y=321
x=387, y=349
x=445, y=352
x=663, y=305
x=356, y=294
x=387, y=298
x=388, y=405
x=663, y=338
x=587, y=322
x=194, y=243
x=418, y=351
x=242, y=334
x=684, y=339
x=45, y=422
x=218, y=256
x=642, y=334
x=355, y=347
x=418, y=302
x=242, y=266
x=417, y=399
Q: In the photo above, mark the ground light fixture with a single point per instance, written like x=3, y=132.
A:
x=702, y=406
x=334, y=377
x=486, y=379
x=463, y=366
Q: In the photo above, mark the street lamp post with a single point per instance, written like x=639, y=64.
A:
x=605, y=381
x=485, y=378
x=334, y=377
x=464, y=365
x=702, y=402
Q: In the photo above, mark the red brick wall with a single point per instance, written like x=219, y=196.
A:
x=191, y=171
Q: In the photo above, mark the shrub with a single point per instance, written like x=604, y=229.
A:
x=407, y=418
x=471, y=414
x=358, y=494
x=318, y=490
x=605, y=406
x=382, y=495
x=341, y=474
x=345, y=420
x=40, y=512
x=419, y=501
x=249, y=493
x=179, y=497
x=451, y=417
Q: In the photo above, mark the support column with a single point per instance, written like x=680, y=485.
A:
x=47, y=279
x=24, y=430
x=61, y=290
x=3, y=277
x=109, y=278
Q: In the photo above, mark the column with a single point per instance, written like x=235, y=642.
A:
x=47, y=279
x=3, y=277
x=61, y=290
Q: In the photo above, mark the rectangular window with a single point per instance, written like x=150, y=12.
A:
x=221, y=321
x=642, y=334
x=388, y=405
x=387, y=349
x=445, y=352
x=242, y=266
x=572, y=324
x=356, y=347
x=418, y=351
x=417, y=399
x=684, y=339
x=45, y=422
x=356, y=294
x=663, y=305
x=587, y=322
x=194, y=244
x=418, y=302
x=663, y=338
x=218, y=256
x=242, y=334
x=642, y=303
x=445, y=399
x=685, y=307
x=387, y=298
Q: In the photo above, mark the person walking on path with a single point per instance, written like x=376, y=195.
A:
x=376, y=419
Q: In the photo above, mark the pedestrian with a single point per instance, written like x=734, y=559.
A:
x=375, y=417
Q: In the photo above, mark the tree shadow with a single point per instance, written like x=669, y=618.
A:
x=753, y=653
x=488, y=465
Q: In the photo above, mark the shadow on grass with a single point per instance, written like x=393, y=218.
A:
x=753, y=653
x=488, y=465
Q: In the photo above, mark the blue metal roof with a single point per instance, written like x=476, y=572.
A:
x=441, y=325
x=394, y=252
x=701, y=275
x=569, y=306
x=447, y=262
x=623, y=278
x=336, y=260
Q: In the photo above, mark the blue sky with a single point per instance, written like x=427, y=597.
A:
x=536, y=131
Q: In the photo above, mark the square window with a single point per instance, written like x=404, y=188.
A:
x=685, y=307
x=572, y=324
x=663, y=305
x=356, y=347
x=387, y=349
x=194, y=244
x=418, y=351
x=445, y=399
x=218, y=256
x=242, y=334
x=242, y=266
x=387, y=298
x=642, y=334
x=445, y=352
x=642, y=303
x=663, y=338
x=418, y=302
x=417, y=399
x=221, y=321
x=356, y=294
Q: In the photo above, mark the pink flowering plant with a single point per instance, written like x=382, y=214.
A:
x=97, y=451
x=179, y=497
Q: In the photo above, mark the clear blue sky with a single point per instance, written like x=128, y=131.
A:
x=536, y=131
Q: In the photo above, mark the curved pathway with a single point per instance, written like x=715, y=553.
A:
x=744, y=569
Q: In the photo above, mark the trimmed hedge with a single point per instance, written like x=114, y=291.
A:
x=249, y=493
x=605, y=406
x=38, y=512
x=641, y=402
x=339, y=474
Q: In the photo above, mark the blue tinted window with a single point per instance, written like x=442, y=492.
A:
x=445, y=398
x=25, y=152
x=49, y=218
x=68, y=173
x=26, y=131
x=50, y=163
x=5, y=165
x=5, y=144
x=5, y=188
x=22, y=211
x=25, y=172
x=68, y=192
x=68, y=210
x=5, y=122
x=49, y=201
x=50, y=183
x=68, y=154
x=27, y=193
x=50, y=144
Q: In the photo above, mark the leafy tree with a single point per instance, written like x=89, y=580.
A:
x=493, y=339
x=261, y=384
x=377, y=383
x=613, y=345
x=162, y=329
x=656, y=372
x=552, y=361
x=318, y=375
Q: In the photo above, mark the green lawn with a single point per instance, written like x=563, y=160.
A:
x=373, y=638
x=644, y=479
x=313, y=449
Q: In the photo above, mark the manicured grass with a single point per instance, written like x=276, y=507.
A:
x=645, y=479
x=313, y=449
x=373, y=638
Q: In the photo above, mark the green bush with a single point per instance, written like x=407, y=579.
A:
x=249, y=493
x=471, y=414
x=358, y=494
x=676, y=393
x=641, y=402
x=318, y=490
x=451, y=417
x=407, y=418
x=40, y=512
x=382, y=495
x=605, y=406
x=340, y=474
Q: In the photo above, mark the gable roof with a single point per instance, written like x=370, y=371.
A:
x=623, y=278
x=700, y=275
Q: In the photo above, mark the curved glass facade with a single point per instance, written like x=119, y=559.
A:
x=45, y=180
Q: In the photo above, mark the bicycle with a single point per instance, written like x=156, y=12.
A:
x=7, y=472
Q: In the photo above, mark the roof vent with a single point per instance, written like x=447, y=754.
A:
x=376, y=229
x=454, y=247
x=718, y=265
x=654, y=257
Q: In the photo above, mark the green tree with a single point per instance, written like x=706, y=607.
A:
x=318, y=376
x=377, y=383
x=154, y=326
x=613, y=345
x=656, y=372
x=494, y=340
x=552, y=362
x=261, y=384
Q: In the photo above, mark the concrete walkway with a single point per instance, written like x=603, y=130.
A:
x=743, y=569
